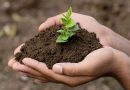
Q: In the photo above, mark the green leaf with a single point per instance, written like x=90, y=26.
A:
x=61, y=31
x=60, y=39
x=69, y=28
x=71, y=34
x=75, y=27
x=69, y=13
x=65, y=17
x=64, y=21
x=70, y=24
x=65, y=37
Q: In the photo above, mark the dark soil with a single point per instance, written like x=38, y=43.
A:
x=114, y=14
x=43, y=47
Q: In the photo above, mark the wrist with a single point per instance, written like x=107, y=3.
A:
x=122, y=69
x=114, y=40
x=119, y=42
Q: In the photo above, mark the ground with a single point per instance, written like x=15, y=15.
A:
x=27, y=15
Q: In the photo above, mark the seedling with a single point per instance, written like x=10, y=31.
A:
x=69, y=29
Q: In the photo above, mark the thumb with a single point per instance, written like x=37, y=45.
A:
x=70, y=69
x=55, y=20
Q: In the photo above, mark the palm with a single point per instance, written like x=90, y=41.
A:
x=92, y=25
x=87, y=22
x=93, y=66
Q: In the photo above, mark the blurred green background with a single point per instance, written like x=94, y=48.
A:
x=20, y=19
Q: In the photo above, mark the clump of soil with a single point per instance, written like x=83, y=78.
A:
x=43, y=47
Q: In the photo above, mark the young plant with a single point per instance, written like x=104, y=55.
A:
x=69, y=29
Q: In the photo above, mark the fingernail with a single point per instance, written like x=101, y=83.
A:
x=41, y=27
x=58, y=69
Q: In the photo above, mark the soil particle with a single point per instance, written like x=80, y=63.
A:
x=43, y=47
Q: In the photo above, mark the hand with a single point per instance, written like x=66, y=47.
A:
x=101, y=62
x=15, y=65
x=106, y=36
x=67, y=72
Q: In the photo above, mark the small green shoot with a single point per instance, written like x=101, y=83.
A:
x=70, y=27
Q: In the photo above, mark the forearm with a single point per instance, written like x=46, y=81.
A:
x=120, y=43
x=125, y=81
x=122, y=70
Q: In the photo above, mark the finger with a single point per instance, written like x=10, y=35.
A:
x=18, y=49
x=20, y=67
x=56, y=20
x=33, y=63
x=87, y=22
x=41, y=78
x=71, y=81
x=76, y=81
x=41, y=67
x=11, y=62
x=92, y=62
x=50, y=22
x=67, y=68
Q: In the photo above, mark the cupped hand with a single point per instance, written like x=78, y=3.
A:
x=106, y=36
x=98, y=63
x=87, y=22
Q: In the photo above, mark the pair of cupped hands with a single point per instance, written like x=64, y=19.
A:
x=111, y=60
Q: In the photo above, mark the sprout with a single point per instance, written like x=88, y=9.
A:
x=69, y=29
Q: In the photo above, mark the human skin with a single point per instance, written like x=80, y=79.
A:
x=106, y=36
x=113, y=59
